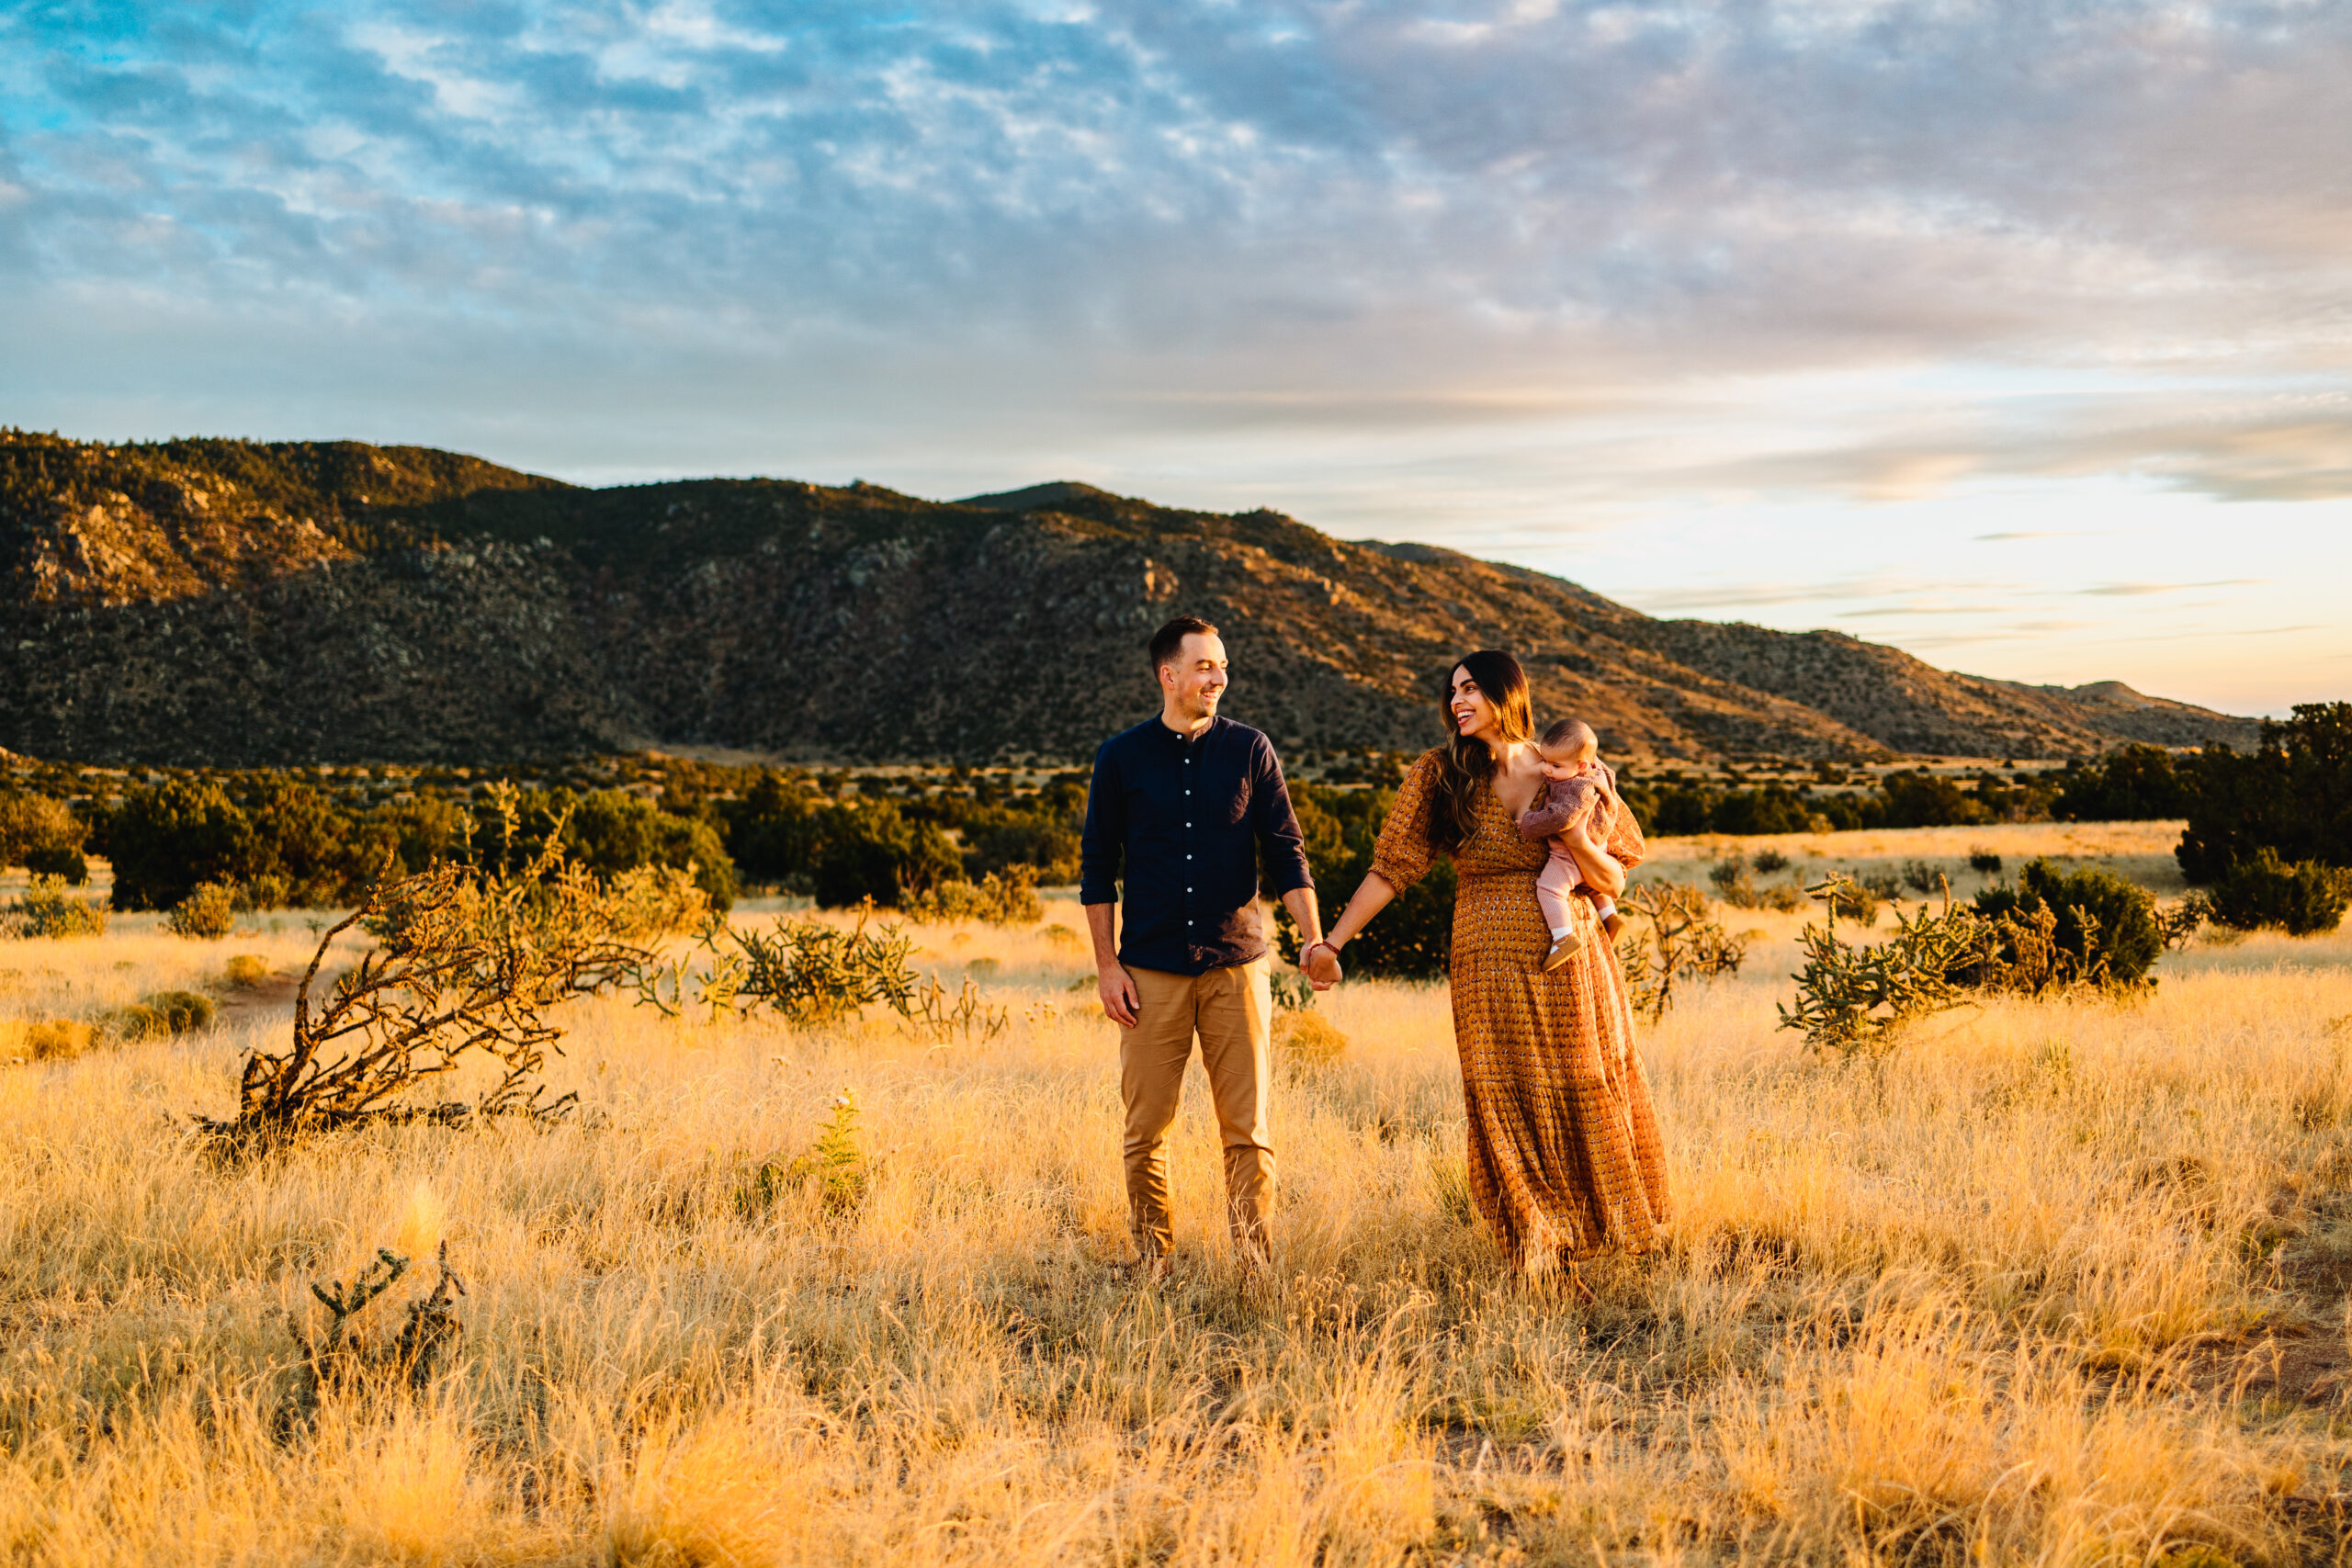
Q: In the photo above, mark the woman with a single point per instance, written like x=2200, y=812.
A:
x=1565, y=1160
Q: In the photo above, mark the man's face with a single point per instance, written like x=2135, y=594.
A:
x=1194, y=679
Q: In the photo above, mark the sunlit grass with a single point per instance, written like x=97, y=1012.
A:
x=2058, y=1283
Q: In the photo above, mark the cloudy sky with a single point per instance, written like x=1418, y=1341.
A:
x=2018, y=335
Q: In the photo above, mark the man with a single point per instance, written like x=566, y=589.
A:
x=1181, y=801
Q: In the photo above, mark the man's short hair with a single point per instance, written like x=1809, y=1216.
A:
x=1571, y=732
x=1169, y=640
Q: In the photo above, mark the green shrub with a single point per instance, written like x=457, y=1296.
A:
x=870, y=850
x=1767, y=861
x=133, y=1024
x=34, y=825
x=2305, y=898
x=2292, y=795
x=247, y=971
x=1414, y=934
x=183, y=1011
x=1001, y=899
x=60, y=861
x=1048, y=851
x=1920, y=799
x=2099, y=915
x=2132, y=784
x=210, y=910
x=612, y=830
x=1984, y=861
x=44, y=909
x=166, y=841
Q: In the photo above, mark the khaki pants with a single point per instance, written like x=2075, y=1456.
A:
x=1231, y=1010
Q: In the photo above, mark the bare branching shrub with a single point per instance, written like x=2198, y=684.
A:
x=1921, y=878
x=343, y=1358
x=931, y=1016
x=2179, y=926
x=46, y=909
x=811, y=972
x=468, y=966
x=1856, y=1000
x=814, y=974
x=1770, y=861
x=208, y=912
x=1673, y=937
x=1005, y=897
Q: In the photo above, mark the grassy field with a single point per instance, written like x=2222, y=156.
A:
x=2061, y=1283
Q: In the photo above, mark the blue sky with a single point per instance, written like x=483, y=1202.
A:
x=2016, y=335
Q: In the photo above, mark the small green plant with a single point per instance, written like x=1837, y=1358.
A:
x=46, y=909
x=2304, y=899
x=1984, y=861
x=208, y=912
x=1672, y=939
x=1291, y=991
x=1770, y=861
x=835, y=1165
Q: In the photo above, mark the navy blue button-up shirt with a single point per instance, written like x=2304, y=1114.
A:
x=1185, y=818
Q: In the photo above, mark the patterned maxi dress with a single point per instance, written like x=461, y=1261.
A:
x=1565, y=1158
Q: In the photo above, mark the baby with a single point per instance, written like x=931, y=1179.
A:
x=1576, y=785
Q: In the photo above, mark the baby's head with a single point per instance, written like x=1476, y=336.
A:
x=1568, y=748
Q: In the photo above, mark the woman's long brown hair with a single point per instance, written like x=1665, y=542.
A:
x=1464, y=761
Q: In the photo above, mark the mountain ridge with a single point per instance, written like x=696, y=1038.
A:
x=232, y=602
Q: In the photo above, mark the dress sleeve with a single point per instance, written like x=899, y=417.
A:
x=1403, y=853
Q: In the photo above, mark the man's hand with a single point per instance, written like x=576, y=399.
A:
x=1112, y=981
x=1117, y=989
x=1321, y=964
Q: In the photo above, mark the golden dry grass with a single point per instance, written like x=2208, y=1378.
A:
x=2059, y=1283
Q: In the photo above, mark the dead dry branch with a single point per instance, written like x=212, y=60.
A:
x=467, y=967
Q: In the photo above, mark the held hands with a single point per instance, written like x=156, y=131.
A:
x=1321, y=964
x=1117, y=989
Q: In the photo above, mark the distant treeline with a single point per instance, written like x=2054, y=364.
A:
x=318, y=837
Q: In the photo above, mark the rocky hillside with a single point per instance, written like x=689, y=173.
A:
x=228, y=603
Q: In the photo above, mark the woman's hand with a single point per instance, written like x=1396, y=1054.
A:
x=1321, y=964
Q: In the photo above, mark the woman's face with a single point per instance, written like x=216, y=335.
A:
x=1474, y=716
